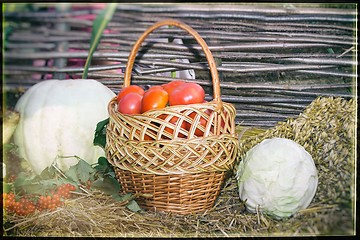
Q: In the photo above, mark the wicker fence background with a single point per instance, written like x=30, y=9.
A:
x=272, y=60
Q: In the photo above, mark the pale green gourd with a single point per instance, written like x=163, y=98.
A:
x=58, y=118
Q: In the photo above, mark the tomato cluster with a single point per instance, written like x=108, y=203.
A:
x=134, y=100
x=25, y=205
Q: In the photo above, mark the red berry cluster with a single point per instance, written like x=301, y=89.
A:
x=64, y=190
x=55, y=199
x=24, y=206
x=11, y=178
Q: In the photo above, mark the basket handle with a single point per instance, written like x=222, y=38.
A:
x=198, y=38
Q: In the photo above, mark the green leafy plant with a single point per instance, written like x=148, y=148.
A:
x=106, y=180
x=99, y=26
x=83, y=176
x=100, y=133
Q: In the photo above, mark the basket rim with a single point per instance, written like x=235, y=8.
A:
x=219, y=106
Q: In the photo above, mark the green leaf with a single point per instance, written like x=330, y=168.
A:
x=99, y=25
x=22, y=178
x=100, y=133
x=103, y=161
x=39, y=184
x=107, y=184
x=47, y=173
x=111, y=174
x=8, y=147
x=133, y=206
x=122, y=198
x=6, y=187
x=103, y=165
x=72, y=174
x=105, y=168
x=81, y=172
x=40, y=187
x=85, y=171
x=101, y=125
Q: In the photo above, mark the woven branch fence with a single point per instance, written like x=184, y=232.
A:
x=272, y=60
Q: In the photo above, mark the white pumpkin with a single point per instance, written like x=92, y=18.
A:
x=58, y=119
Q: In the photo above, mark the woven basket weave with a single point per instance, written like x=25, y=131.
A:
x=179, y=171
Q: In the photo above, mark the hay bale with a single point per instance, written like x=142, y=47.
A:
x=326, y=129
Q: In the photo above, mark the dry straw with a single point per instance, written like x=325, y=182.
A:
x=179, y=171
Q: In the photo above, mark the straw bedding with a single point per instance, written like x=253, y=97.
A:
x=331, y=122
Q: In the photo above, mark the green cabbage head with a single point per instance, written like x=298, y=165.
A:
x=277, y=177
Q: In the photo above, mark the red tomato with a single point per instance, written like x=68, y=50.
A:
x=187, y=93
x=155, y=87
x=222, y=123
x=173, y=120
x=169, y=87
x=202, y=121
x=146, y=136
x=130, y=103
x=156, y=98
x=129, y=89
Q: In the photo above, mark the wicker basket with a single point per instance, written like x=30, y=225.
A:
x=179, y=171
